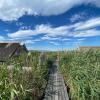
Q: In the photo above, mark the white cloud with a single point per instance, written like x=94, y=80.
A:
x=50, y=38
x=24, y=27
x=14, y=9
x=87, y=33
x=22, y=33
x=80, y=29
x=29, y=42
x=57, y=38
x=88, y=24
x=77, y=17
x=41, y=29
x=19, y=23
x=54, y=43
x=66, y=39
x=81, y=39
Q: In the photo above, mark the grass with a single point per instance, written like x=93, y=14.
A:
x=20, y=84
x=81, y=71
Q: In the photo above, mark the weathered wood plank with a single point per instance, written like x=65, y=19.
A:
x=56, y=89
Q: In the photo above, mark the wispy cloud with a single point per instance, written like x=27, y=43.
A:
x=78, y=16
x=22, y=33
x=50, y=38
x=66, y=39
x=55, y=43
x=29, y=42
x=87, y=33
x=81, y=39
x=92, y=23
x=80, y=29
x=19, y=23
x=41, y=29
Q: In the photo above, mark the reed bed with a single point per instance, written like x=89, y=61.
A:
x=24, y=79
x=81, y=71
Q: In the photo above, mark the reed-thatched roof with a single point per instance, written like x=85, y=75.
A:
x=7, y=50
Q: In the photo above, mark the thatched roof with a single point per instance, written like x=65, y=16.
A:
x=7, y=50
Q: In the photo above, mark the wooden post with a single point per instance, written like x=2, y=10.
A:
x=42, y=59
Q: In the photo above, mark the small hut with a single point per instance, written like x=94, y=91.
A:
x=8, y=50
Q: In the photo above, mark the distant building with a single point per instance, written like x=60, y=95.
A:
x=88, y=47
x=7, y=50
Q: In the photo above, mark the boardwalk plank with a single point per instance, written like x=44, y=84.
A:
x=56, y=89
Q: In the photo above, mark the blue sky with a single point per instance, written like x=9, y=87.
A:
x=50, y=24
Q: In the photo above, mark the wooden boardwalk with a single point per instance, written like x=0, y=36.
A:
x=56, y=89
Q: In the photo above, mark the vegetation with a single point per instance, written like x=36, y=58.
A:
x=81, y=71
x=28, y=77
x=26, y=80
